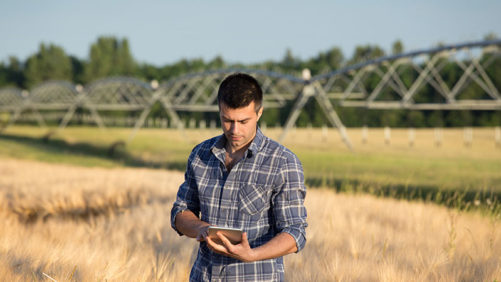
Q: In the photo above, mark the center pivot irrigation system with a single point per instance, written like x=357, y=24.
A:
x=391, y=82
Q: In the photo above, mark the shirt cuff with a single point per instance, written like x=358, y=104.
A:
x=299, y=235
x=174, y=212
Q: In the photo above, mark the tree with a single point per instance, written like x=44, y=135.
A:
x=436, y=119
x=3, y=75
x=12, y=73
x=366, y=53
x=392, y=118
x=397, y=47
x=49, y=63
x=459, y=118
x=415, y=119
x=491, y=36
x=216, y=63
x=77, y=66
x=326, y=61
x=149, y=72
x=109, y=57
x=289, y=63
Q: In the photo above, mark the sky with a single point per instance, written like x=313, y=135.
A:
x=163, y=32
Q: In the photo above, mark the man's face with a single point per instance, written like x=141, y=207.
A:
x=239, y=125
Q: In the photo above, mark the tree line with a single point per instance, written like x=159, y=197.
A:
x=111, y=56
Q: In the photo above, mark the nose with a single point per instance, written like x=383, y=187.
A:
x=233, y=127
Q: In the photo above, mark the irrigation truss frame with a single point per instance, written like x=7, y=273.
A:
x=395, y=82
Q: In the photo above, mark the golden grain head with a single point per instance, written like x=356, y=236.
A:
x=114, y=225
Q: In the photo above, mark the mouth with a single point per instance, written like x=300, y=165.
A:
x=235, y=138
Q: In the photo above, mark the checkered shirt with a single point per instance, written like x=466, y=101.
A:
x=263, y=195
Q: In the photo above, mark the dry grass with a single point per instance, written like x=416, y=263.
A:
x=89, y=224
x=359, y=237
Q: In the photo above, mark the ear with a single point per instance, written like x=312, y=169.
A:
x=259, y=113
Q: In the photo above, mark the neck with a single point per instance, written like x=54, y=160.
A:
x=233, y=150
x=238, y=150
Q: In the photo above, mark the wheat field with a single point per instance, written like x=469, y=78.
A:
x=69, y=223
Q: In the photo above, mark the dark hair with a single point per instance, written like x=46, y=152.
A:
x=239, y=90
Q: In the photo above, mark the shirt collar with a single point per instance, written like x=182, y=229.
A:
x=256, y=145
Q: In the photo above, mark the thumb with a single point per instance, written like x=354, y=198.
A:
x=245, y=240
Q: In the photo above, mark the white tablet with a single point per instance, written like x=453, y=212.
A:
x=233, y=234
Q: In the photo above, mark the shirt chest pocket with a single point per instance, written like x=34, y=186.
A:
x=253, y=199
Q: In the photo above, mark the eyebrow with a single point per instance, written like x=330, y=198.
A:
x=228, y=119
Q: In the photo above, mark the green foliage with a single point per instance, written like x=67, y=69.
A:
x=459, y=118
x=289, y=63
x=416, y=119
x=271, y=116
x=109, y=56
x=3, y=74
x=391, y=118
x=491, y=36
x=12, y=73
x=325, y=61
x=78, y=70
x=216, y=63
x=49, y=63
x=183, y=66
x=397, y=47
x=365, y=53
x=435, y=119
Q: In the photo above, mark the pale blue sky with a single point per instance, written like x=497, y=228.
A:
x=162, y=32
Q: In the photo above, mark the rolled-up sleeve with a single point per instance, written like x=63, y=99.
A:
x=289, y=209
x=187, y=195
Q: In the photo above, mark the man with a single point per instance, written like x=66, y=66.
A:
x=242, y=179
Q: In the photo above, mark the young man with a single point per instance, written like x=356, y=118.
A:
x=242, y=179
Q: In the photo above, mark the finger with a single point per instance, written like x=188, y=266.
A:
x=229, y=246
x=218, y=248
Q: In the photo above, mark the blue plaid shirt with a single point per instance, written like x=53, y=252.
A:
x=263, y=195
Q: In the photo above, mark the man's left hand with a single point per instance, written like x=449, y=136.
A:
x=241, y=251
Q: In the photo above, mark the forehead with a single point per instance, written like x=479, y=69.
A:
x=246, y=112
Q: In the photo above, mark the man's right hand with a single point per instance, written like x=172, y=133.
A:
x=190, y=225
x=203, y=232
